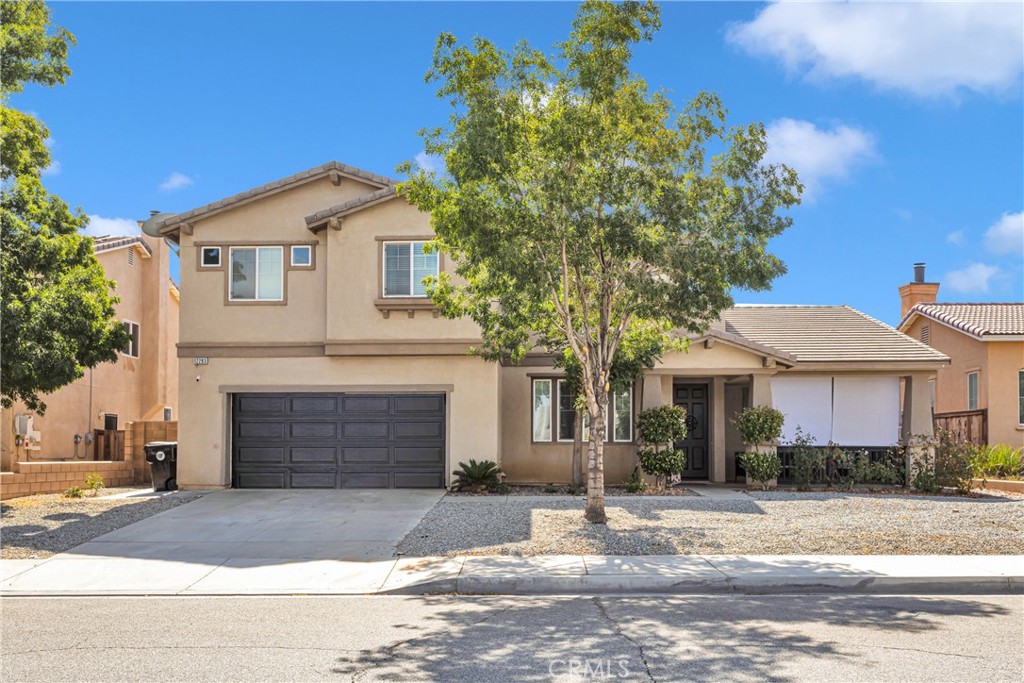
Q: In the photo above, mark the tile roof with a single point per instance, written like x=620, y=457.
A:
x=317, y=219
x=277, y=185
x=108, y=242
x=979, y=320
x=826, y=334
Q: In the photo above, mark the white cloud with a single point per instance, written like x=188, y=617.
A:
x=957, y=237
x=429, y=162
x=175, y=181
x=53, y=169
x=928, y=49
x=974, y=278
x=1006, y=236
x=99, y=226
x=818, y=154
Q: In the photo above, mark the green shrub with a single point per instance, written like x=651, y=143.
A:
x=761, y=467
x=998, y=461
x=73, y=492
x=477, y=476
x=94, y=482
x=550, y=488
x=808, y=461
x=940, y=461
x=662, y=425
x=759, y=425
x=634, y=484
x=661, y=464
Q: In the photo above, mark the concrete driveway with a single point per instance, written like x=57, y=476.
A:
x=240, y=541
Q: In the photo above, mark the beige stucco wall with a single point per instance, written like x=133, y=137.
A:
x=131, y=388
x=204, y=448
x=1005, y=360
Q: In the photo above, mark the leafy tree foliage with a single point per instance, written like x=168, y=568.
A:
x=577, y=200
x=57, y=314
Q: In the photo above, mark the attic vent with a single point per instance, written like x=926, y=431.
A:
x=131, y=256
x=926, y=334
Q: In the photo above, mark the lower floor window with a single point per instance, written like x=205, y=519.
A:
x=560, y=410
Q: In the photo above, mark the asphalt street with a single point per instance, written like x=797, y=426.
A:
x=478, y=639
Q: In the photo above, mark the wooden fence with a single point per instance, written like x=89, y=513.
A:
x=964, y=426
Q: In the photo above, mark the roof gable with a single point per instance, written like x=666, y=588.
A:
x=982, y=321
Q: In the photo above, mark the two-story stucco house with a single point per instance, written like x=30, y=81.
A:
x=310, y=356
x=985, y=342
x=142, y=384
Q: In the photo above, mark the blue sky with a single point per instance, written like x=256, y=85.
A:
x=906, y=121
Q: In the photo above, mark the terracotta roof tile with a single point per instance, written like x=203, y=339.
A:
x=975, y=319
x=108, y=242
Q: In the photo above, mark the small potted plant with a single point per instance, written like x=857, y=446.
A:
x=659, y=429
x=760, y=427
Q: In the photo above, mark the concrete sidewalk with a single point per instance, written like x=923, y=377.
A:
x=571, y=574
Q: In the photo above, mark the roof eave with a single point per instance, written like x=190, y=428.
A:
x=322, y=219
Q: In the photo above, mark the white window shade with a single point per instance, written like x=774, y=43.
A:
x=866, y=411
x=806, y=402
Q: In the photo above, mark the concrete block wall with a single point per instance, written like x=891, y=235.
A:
x=29, y=478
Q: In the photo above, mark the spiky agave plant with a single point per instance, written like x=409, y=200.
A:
x=477, y=476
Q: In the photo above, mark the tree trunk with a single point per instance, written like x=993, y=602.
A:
x=595, y=513
x=577, y=451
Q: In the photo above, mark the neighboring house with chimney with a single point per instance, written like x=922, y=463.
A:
x=985, y=344
x=142, y=384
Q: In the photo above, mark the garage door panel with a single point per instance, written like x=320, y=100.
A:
x=419, y=404
x=251, y=454
x=308, y=454
x=259, y=404
x=260, y=480
x=419, y=430
x=366, y=404
x=313, y=480
x=418, y=480
x=313, y=430
x=422, y=455
x=373, y=430
x=364, y=480
x=315, y=404
x=264, y=430
x=321, y=440
x=380, y=454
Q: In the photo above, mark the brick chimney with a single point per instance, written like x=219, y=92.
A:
x=917, y=292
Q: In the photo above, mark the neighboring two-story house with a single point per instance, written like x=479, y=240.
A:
x=142, y=384
x=310, y=357
x=985, y=342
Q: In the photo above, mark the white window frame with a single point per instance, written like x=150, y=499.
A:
x=533, y=409
x=202, y=260
x=977, y=389
x=558, y=413
x=614, y=422
x=138, y=347
x=412, y=270
x=291, y=257
x=256, y=274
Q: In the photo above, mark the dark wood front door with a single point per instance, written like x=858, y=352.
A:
x=694, y=398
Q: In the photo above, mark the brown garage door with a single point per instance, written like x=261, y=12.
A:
x=317, y=440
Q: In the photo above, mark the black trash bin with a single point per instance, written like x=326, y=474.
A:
x=162, y=457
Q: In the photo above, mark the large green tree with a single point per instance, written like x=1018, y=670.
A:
x=577, y=199
x=57, y=314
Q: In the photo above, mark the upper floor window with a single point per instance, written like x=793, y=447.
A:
x=1020, y=397
x=302, y=256
x=972, y=391
x=257, y=274
x=210, y=257
x=405, y=267
x=132, y=348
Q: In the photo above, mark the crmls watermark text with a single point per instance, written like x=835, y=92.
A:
x=589, y=668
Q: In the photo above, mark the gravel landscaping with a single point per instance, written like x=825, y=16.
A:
x=43, y=525
x=761, y=523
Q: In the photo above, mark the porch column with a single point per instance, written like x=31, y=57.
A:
x=718, y=429
x=760, y=390
x=917, y=407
